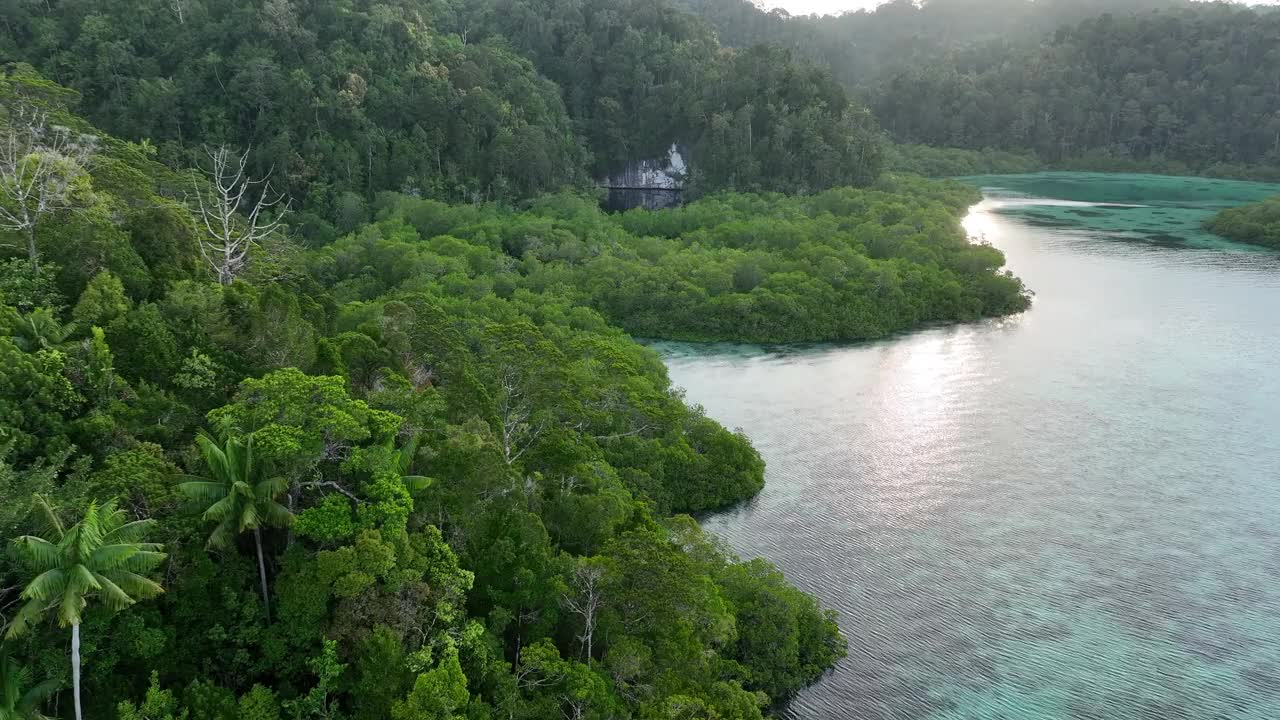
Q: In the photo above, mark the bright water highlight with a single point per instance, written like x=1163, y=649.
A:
x=1073, y=513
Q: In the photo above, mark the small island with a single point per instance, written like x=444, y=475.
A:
x=1256, y=223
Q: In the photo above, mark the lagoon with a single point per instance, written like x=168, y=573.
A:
x=1071, y=513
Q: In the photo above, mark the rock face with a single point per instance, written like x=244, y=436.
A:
x=652, y=184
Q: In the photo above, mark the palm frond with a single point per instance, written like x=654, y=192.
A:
x=28, y=706
x=214, y=456
x=223, y=536
x=202, y=491
x=109, y=557
x=70, y=608
x=129, y=533
x=270, y=488
x=244, y=458
x=81, y=581
x=274, y=514
x=111, y=518
x=137, y=587
x=143, y=560
x=13, y=677
x=19, y=700
x=417, y=483
x=406, y=454
x=47, y=586
x=39, y=553
x=49, y=515
x=249, y=517
x=88, y=532
x=28, y=615
x=112, y=595
x=224, y=508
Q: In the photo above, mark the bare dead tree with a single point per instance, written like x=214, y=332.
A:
x=229, y=234
x=43, y=171
x=519, y=428
x=575, y=707
x=586, y=600
x=178, y=10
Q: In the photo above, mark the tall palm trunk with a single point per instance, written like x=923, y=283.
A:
x=262, y=574
x=75, y=666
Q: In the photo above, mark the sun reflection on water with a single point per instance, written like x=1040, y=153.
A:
x=980, y=224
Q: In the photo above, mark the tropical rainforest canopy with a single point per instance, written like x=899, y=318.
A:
x=388, y=477
x=318, y=397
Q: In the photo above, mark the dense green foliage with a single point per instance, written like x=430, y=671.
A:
x=342, y=99
x=957, y=162
x=863, y=46
x=1256, y=223
x=846, y=264
x=405, y=475
x=414, y=466
x=1161, y=86
x=639, y=74
x=1194, y=86
x=437, y=98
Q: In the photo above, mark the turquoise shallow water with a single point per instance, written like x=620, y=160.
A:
x=1073, y=513
x=1154, y=209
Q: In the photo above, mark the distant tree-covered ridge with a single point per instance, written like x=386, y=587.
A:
x=863, y=46
x=946, y=162
x=450, y=99
x=637, y=74
x=1256, y=223
x=1164, y=86
x=1195, y=87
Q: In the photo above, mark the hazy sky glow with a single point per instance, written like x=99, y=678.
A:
x=835, y=7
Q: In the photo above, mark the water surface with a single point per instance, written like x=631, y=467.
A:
x=1073, y=513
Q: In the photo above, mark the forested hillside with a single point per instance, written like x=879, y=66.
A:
x=1139, y=85
x=444, y=98
x=283, y=490
x=262, y=458
x=638, y=74
x=861, y=47
x=1198, y=87
x=342, y=100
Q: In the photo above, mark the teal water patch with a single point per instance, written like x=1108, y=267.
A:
x=1160, y=209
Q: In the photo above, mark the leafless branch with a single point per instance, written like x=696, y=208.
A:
x=586, y=600
x=229, y=233
x=332, y=486
x=40, y=165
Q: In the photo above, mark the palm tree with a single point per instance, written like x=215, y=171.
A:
x=236, y=498
x=101, y=557
x=402, y=458
x=41, y=329
x=19, y=700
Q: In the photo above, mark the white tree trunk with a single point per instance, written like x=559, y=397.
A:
x=586, y=579
x=262, y=574
x=32, y=254
x=75, y=667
